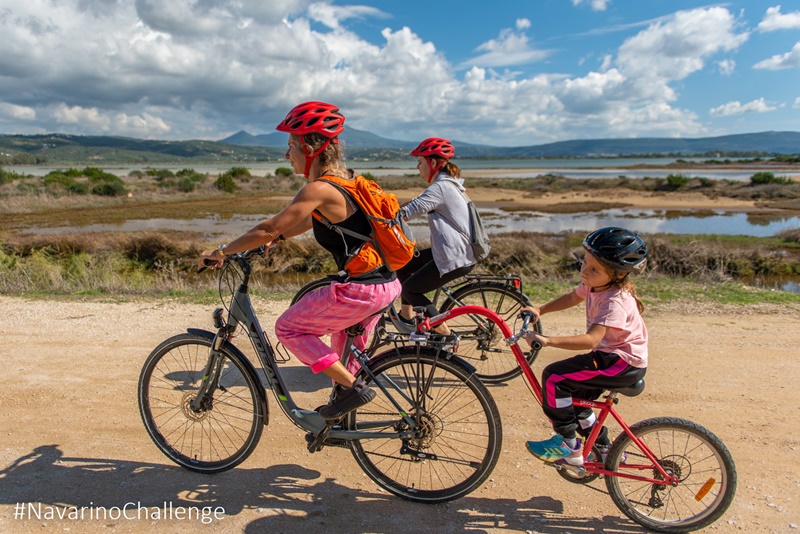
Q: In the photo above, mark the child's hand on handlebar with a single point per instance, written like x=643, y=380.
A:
x=534, y=337
x=533, y=311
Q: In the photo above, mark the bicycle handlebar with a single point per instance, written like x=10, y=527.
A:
x=239, y=256
x=526, y=321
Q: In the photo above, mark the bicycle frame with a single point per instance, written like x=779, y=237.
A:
x=241, y=312
x=448, y=290
x=605, y=408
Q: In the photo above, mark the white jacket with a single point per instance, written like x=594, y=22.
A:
x=445, y=206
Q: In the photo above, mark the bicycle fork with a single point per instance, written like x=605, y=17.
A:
x=212, y=372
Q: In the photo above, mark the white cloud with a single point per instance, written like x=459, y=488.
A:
x=796, y=102
x=674, y=49
x=597, y=5
x=789, y=60
x=726, y=67
x=775, y=20
x=332, y=16
x=14, y=112
x=510, y=48
x=148, y=71
x=737, y=108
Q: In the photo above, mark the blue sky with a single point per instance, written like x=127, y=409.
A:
x=506, y=73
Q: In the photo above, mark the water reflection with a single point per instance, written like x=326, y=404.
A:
x=497, y=221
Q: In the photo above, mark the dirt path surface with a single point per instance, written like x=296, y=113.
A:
x=71, y=436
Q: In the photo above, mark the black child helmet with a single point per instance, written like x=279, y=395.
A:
x=617, y=248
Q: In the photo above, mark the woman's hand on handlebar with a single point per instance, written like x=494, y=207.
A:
x=210, y=259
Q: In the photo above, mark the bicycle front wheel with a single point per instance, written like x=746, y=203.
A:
x=482, y=344
x=459, y=434
x=701, y=462
x=226, y=428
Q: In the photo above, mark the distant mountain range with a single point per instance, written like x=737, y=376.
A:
x=763, y=142
x=243, y=147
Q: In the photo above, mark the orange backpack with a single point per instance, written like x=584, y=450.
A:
x=391, y=237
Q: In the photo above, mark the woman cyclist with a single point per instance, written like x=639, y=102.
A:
x=450, y=254
x=364, y=286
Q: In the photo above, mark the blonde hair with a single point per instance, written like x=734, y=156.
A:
x=332, y=158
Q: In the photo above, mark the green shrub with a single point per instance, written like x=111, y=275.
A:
x=676, y=181
x=283, y=171
x=368, y=176
x=761, y=178
x=225, y=183
x=160, y=174
x=238, y=172
x=185, y=172
x=110, y=188
x=186, y=185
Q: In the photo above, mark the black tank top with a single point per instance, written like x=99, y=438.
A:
x=343, y=246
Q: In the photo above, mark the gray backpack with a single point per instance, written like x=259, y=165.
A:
x=478, y=237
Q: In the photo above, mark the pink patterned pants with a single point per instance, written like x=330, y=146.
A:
x=331, y=310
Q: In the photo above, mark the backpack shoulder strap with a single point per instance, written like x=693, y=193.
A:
x=331, y=226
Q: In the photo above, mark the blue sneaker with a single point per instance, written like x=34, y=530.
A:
x=555, y=450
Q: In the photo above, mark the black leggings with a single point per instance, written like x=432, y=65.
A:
x=420, y=275
x=585, y=376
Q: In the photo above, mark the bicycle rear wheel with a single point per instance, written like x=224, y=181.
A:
x=226, y=429
x=704, y=467
x=460, y=434
x=482, y=344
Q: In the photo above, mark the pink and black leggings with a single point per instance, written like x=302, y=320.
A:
x=584, y=376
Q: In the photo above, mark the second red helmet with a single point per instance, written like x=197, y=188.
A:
x=313, y=117
x=435, y=146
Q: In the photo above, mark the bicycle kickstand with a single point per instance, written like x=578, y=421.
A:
x=316, y=444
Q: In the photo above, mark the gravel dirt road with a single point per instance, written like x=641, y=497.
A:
x=71, y=436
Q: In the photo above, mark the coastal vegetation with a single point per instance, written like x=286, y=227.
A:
x=712, y=268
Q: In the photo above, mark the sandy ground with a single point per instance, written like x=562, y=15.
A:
x=72, y=437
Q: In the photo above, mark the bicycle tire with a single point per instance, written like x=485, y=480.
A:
x=216, y=439
x=705, y=467
x=308, y=288
x=462, y=433
x=482, y=344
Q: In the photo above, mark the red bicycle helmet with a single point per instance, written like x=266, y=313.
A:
x=314, y=117
x=434, y=146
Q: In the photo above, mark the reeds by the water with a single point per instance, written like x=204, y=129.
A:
x=165, y=262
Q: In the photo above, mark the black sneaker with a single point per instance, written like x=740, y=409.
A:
x=345, y=400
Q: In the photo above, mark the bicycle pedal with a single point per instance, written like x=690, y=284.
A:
x=317, y=442
x=578, y=471
x=329, y=442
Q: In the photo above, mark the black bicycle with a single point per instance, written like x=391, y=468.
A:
x=481, y=343
x=432, y=434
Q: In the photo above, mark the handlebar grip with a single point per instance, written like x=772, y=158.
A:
x=206, y=264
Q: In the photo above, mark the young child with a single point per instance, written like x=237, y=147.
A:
x=615, y=335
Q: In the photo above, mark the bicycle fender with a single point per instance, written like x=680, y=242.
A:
x=236, y=353
x=451, y=358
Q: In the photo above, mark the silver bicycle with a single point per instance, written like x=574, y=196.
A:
x=432, y=434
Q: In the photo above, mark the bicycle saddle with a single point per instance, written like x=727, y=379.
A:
x=631, y=391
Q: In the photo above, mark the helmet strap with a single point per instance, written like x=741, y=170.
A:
x=433, y=169
x=310, y=158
